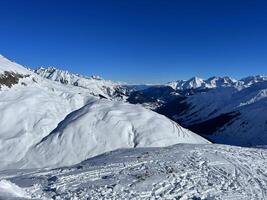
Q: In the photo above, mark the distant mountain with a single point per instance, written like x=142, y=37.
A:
x=221, y=109
x=52, y=118
x=199, y=83
x=95, y=84
x=252, y=79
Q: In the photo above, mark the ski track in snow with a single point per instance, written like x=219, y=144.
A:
x=183, y=171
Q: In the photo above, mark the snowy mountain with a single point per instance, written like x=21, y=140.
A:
x=218, y=108
x=199, y=83
x=228, y=115
x=252, y=79
x=221, y=109
x=104, y=146
x=45, y=123
x=95, y=84
x=183, y=171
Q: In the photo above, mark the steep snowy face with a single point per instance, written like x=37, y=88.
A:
x=102, y=126
x=192, y=83
x=95, y=84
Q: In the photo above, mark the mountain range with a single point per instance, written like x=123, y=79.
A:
x=221, y=109
x=70, y=136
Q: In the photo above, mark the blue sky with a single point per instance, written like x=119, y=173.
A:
x=138, y=41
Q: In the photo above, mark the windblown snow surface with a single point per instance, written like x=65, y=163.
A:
x=182, y=171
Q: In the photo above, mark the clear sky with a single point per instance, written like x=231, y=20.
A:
x=138, y=40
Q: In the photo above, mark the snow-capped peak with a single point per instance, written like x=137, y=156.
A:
x=199, y=83
x=253, y=79
x=194, y=82
x=216, y=81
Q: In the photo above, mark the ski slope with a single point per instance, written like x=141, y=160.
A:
x=182, y=171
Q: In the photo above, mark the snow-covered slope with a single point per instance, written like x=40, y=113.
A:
x=11, y=73
x=46, y=123
x=8, y=66
x=95, y=84
x=102, y=126
x=240, y=115
x=252, y=79
x=30, y=112
x=177, y=172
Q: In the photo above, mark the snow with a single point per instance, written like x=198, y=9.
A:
x=48, y=124
x=182, y=171
x=102, y=126
x=199, y=83
x=31, y=112
x=249, y=128
x=56, y=119
x=7, y=65
x=9, y=190
x=253, y=79
x=95, y=84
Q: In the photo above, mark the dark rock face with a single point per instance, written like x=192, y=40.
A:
x=9, y=78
